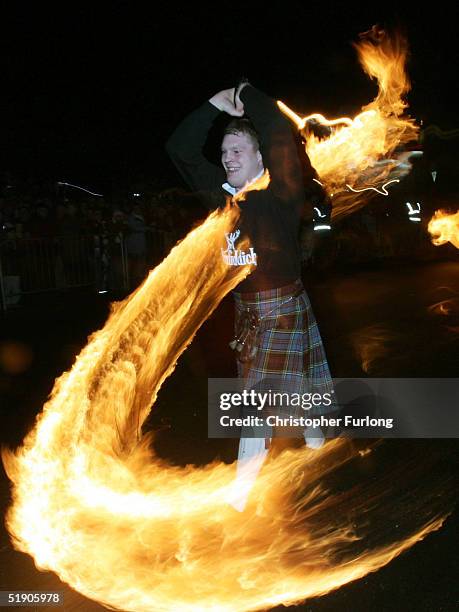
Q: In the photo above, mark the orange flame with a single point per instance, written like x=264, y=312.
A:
x=258, y=185
x=358, y=155
x=444, y=227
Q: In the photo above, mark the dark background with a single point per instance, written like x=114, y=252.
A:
x=91, y=91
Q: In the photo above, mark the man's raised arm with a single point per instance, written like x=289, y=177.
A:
x=186, y=144
x=279, y=149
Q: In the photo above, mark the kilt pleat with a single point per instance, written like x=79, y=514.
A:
x=290, y=352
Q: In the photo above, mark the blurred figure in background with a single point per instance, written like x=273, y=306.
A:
x=136, y=245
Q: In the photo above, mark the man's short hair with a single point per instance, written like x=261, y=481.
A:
x=241, y=125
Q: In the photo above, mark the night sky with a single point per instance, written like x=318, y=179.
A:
x=91, y=91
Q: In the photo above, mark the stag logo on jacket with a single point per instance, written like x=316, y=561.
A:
x=235, y=257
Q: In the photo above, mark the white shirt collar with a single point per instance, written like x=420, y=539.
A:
x=233, y=190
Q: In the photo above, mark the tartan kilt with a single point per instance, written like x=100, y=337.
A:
x=290, y=350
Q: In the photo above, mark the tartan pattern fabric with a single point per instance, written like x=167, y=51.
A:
x=290, y=350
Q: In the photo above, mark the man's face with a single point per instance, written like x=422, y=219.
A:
x=241, y=160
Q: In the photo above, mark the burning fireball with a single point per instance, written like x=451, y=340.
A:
x=444, y=227
x=92, y=503
x=358, y=158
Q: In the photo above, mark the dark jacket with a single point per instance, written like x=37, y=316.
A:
x=270, y=218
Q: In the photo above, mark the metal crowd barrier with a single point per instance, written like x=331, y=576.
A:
x=36, y=265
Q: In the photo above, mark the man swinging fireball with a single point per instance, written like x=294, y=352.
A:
x=277, y=338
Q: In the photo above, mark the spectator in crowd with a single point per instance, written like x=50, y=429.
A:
x=136, y=245
x=41, y=223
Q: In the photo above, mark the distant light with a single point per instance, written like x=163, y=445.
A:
x=318, y=228
x=99, y=195
x=317, y=181
x=382, y=190
x=105, y=291
x=434, y=175
x=319, y=213
x=414, y=212
x=136, y=195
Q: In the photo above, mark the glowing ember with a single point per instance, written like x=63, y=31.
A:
x=445, y=307
x=448, y=309
x=444, y=227
x=371, y=345
x=357, y=158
